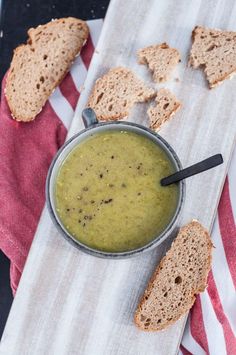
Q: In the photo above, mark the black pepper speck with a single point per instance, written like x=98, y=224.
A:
x=109, y=200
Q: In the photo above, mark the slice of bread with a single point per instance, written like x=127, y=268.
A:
x=161, y=60
x=181, y=275
x=115, y=93
x=215, y=50
x=166, y=106
x=39, y=66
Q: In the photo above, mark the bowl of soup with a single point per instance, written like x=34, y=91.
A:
x=103, y=189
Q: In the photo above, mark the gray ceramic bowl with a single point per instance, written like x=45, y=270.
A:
x=92, y=127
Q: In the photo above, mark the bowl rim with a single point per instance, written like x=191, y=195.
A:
x=125, y=254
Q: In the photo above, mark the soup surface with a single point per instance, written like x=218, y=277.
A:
x=108, y=192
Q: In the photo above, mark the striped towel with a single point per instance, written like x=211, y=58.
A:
x=26, y=151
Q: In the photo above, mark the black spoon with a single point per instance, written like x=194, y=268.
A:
x=194, y=169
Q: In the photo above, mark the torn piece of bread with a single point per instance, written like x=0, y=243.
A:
x=166, y=106
x=160, y=59
x=115, y=93
x=39, y=66
x=180, y=276
x=215, y=50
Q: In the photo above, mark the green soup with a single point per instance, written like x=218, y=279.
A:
x=108, y=192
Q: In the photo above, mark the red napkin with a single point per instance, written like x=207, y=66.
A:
x=25, y=156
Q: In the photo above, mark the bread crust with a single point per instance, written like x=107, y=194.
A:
x=156, y=273
x=158, y=114
x=220, y=40
x=160, y=59
x=120, y=89
x=31, y=46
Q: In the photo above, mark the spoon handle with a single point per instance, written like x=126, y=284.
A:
x=203, y=165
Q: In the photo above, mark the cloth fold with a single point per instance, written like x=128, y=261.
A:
x=26, y=151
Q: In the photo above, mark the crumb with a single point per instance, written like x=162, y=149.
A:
x=81, y=88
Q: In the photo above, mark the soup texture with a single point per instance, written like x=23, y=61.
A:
x=108, y=193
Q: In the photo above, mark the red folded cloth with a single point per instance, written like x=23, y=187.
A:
x=25, y=156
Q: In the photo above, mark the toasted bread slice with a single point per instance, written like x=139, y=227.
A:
x=115, y=93
x=161, y=60
x=166, y=106
x=39, y=66
x=215, y=50
x=181, y=275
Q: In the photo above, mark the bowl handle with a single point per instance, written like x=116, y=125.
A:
x=89, y=117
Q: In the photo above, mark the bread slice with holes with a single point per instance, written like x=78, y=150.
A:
x=215, y=50
x=116, y=92
x=181, y=275
x=40, y=65
x=160, y=59
x=166, y=107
